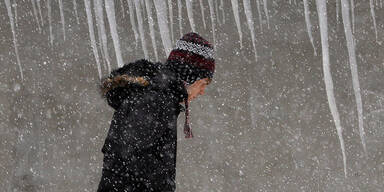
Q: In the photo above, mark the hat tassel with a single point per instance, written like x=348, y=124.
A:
x=187, y=127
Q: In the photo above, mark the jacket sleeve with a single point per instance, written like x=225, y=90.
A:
x=143, y=121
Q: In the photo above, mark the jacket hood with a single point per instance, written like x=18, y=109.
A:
x=136, y=78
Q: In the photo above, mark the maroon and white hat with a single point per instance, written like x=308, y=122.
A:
x=193, y=58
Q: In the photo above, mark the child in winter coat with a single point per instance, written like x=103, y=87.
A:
x=140, y=148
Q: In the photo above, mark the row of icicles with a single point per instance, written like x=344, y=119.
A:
x=162, y=9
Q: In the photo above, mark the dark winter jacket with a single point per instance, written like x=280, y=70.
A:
x=141, y=141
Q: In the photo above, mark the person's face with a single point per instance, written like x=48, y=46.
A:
x=197, y=88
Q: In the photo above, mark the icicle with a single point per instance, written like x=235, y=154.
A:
x=353, y=15
x=88, y=11
x=98, y=6
x=373, y=16
x=161, y=12
x=222, y=10
x=14, y=5
x=122, y=8
x=141, y=28
x=110, y=9
x=235, y=8
x=170, y=7
x=249, y=15
x=62, y=16
x=353, y=65
x=75, y=8
x=217, y=11
x=190, y=14
x=266, y=11
x=322, y=14
x=337, y=10
x=179, y=6
x=202, y=13
x=39, y=9
x=381, y=3
x=132, y=19
x=98, y=25
x=148, y=6
x=143, y=5
x=309, y=26
x=259, y=12
x=96, y=10
x=213, y=18
x=35, y=14
x=9, y=10
x=50, y=21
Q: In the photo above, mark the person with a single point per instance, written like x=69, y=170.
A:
x=140, y=147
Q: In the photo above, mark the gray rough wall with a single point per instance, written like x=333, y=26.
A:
x=262, y=126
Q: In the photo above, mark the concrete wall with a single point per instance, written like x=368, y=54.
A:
x=262, y=126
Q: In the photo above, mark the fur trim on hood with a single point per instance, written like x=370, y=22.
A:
x=138, y=77
x=121, y=81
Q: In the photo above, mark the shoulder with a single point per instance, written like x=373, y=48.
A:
x=167, y=83
x=140, y=67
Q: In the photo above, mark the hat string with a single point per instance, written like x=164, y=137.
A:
x=187, y=127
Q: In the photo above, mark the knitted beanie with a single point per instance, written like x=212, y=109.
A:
x=192, y=59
